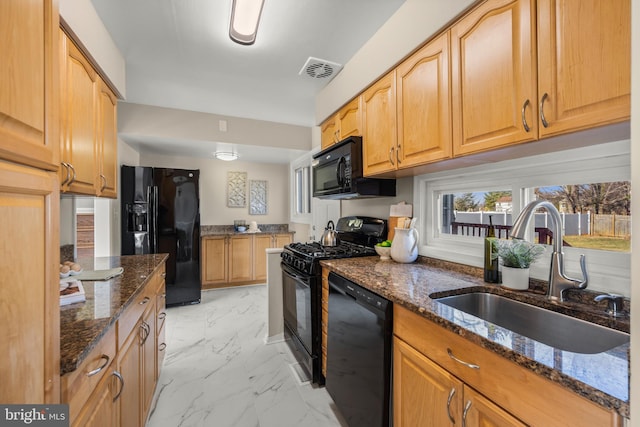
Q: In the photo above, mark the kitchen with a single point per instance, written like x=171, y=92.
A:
x=328, y=101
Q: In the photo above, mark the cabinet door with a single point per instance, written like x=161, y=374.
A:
x=424, y=394
x=29, y=300
x=379, y=126
x=100, y=410
x=149, y=359
x=584, y=54
x=281, y=240
x=240, y=258
x=214, y=260
x=480, y=411
x=328, y=132
x=424, y=106
x=130, y=367
x=107, y=142
x=29, y=86
x=349, y=123
x=260, y=244
x=78, y=140
x=493, y=69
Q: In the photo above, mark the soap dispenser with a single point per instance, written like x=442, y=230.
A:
x=491, y=273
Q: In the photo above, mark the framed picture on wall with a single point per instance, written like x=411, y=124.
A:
x=236, y=189
x=258, y=197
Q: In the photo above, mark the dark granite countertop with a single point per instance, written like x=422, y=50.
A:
x=602, y=378
x=226, y=230
x=83, y=324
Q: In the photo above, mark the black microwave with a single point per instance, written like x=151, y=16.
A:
x=337, y=173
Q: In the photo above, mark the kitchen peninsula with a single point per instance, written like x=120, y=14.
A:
x=115, y=336
x=536, y=383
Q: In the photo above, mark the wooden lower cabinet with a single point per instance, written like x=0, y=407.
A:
x=426, y=395
x=237, y=259
x=240, y=258
x=101, y=410
x=131, y=354
x=431, y=386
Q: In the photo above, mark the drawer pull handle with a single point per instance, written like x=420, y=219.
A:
x=162, y=346
x=144, y=301
x=163, y=275
x=465, y=412
x=449, y=399
x=162, y=315
x=391, y=151
x=73, y=177
x=119, y=377
x=145, y=331
x=467, y=364
x=101, y=367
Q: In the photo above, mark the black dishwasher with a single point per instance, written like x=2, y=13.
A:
x=359, y=353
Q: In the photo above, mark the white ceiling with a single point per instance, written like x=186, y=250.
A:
x=178, y=54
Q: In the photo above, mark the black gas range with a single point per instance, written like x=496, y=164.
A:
x=302, y=284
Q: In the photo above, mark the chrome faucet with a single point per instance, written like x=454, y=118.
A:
x=558, y=281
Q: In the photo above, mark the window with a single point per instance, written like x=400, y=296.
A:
x=594, y=216
x=300, y=190
x=454, y=209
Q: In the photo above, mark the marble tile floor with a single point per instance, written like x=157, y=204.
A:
x=219, y=372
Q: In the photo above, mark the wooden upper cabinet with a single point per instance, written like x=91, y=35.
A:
x=493, y=69
x=88, y=140
x=584, y=55
x=78, y=141
x=329, y=132
x=346, y=122
x=379, y=130
x=424, y=105
x=29, y=86
x=107, y=142
x=349, y=120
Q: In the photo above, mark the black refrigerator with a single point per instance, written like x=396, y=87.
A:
x=160, y=214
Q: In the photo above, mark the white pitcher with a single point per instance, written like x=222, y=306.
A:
x=404, y=247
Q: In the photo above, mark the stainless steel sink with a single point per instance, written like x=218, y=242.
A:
x=548, y=327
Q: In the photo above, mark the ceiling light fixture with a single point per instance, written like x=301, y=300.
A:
x=227, y=156
x=245, y=16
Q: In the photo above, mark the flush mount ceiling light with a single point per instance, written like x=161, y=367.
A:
x=227, y=156
x=245, y=16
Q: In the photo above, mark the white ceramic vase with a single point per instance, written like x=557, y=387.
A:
x=404, y=247
x=515, y=278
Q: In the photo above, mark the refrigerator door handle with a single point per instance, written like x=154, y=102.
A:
x=153, y=218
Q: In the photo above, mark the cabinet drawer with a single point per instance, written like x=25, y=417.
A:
x=78, y=385
x=128, y=319
x=528, y=396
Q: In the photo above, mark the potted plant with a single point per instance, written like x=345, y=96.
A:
x=516, y=256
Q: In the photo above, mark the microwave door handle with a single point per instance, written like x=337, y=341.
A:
x=340, y=171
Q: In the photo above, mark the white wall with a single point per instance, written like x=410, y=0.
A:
x=83, y=20
x=213, y=187
x=379, y=207
x=412, y=24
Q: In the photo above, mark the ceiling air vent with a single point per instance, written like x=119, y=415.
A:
x=320, y=69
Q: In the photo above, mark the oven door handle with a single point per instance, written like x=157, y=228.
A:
x=286, y=270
